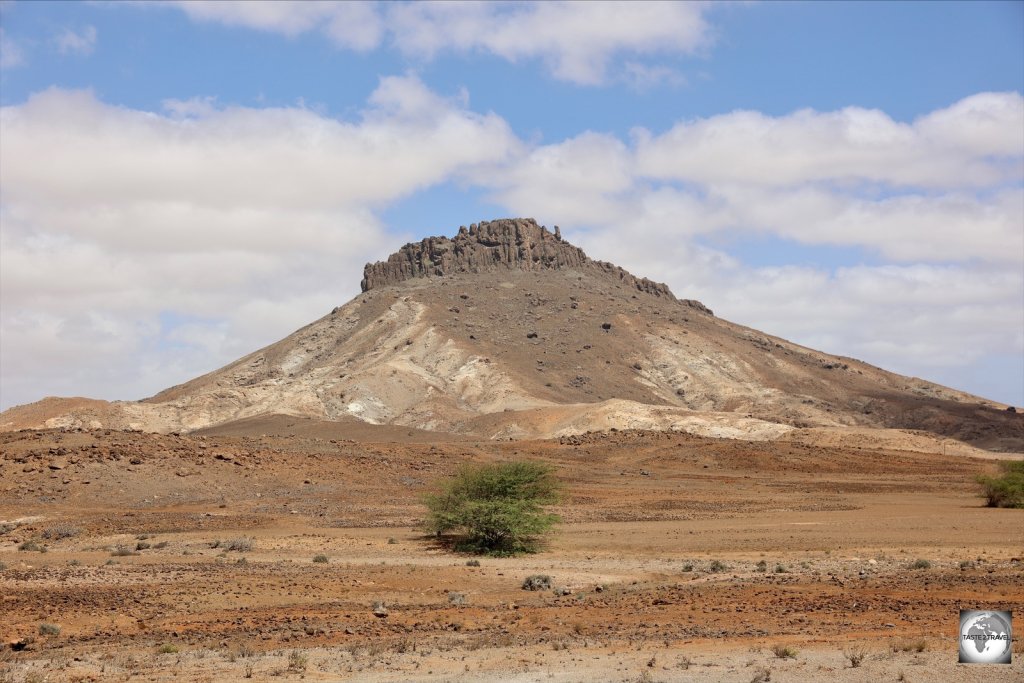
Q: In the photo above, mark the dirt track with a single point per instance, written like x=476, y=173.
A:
x=648, y=517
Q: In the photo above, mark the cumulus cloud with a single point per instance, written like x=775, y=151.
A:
x=72, y=42
x=251, y=221
x=11, y=54
x=577, y=41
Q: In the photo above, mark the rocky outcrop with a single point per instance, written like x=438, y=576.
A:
x=512, y=243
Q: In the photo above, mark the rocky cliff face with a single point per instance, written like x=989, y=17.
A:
x=508, y=243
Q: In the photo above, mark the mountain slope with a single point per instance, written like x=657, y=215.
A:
x=506, y=330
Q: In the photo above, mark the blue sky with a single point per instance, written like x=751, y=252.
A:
x=181, y=183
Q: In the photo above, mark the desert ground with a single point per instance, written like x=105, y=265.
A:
x=141, y=557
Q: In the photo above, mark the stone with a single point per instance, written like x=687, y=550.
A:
x=507, y=243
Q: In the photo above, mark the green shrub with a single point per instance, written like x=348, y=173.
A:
x=1006, y=491
x=49, y=629
x=496, y=508
x=921, y=563
x=717, y=566
x=167, y=649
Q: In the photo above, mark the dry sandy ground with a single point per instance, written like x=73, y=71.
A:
x=657, y=562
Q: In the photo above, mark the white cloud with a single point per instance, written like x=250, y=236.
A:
x=349, y=24
x=577, y=41
x=252, y=221
x=11, y=54
x=71, y=42
x=965, y=145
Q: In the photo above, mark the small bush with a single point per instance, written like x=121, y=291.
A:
x=49, y=629
x=122, y=551
x=320, y=559
x=161, y=545
x=762, y=566
x=496, y=508
x=688, y=567
x=921, y=563
x=919, y=645
x=32, y=547
x=472, y=563
x=7, y=527
x=239, y=545
x=2, y=566
x=456, y=599
x=781, y=569
x=784, y=651
x=717, y=566
x=297, y=661
x=167, y=649
x=761, y=675
x=61, y=531
x=537, y=582
x=855, y=655
x=1007, y=490
x=142, y=545
x=392, y=541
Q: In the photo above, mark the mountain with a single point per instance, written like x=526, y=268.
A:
x=507, y=330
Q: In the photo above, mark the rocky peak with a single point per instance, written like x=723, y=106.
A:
x=507, y=243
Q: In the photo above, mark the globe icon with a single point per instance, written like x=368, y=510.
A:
x=985, y=637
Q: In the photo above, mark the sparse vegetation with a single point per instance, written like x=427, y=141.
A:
x=762, y=566
x=46, y=629
x=537, y=582
x=497, y=508
x=122, y=551
x=238, y=545
x=472, y=563
x=456, y=599
x=761, y=675
x=781, y=569
x=167, y=649
x=142, y=545
x=61, y=531
x=32, y=546
x=855, y=655
x=320, y=559
x=784, y=651
x=921, y=563
x=297, y=661
x=717, y=566
x=1007, y=490
x=919, y=645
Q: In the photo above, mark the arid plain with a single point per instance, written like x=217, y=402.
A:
x=192, y=558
